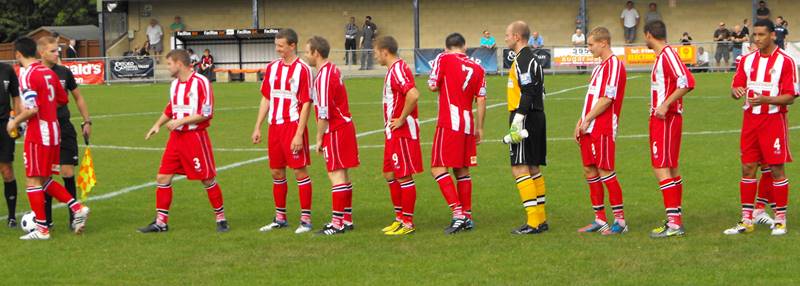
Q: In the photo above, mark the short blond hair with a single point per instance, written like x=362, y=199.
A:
x=44, y=41
x=601, y=34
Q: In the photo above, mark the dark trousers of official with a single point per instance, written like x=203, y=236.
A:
x=350, y=57
x=366, y=58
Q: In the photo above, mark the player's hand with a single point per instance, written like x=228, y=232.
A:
x=297, y=144
x=661, y=111
x=153, y=131
x=87, y=131
x=577, y=133
x=738, y=92
x=173, y=124
x=318, y=147
x=584, y=126
x=11, y=126
x=757, y=100
x=478, y=136
x=256, y=136
x=396, y=123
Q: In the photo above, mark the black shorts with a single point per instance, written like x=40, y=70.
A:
x=532, y=151
x=69, y=139
x=6, y=144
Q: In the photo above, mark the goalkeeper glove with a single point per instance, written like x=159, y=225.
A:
x=516, y=133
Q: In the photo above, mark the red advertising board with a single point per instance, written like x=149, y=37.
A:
x=85, y=72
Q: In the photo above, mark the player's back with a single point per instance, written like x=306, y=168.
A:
x=331, y=97
x=449, y=76
x=40, y=87
x=474, y=82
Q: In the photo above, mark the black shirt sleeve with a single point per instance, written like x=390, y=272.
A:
x=13, y=84
x=70, y=83
x=531, y=83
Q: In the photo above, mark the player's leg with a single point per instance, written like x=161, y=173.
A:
x=663, y=141
x=68, y=177
x=528, y=196
x=450, y=194
x=163, y=203
x=57, y=191
x=780, y=192
x=214, y=193
x=597, y=197
x=464, y=188
x=537, y=149
x=445, y=154
x=408, y=201
x=10, y=192
x=340, y=190
x=36, y=199
x=764, y=197
x=395, y=192
x=68, y=155
x=279, y=191
x=305, y=192
x=609, y=179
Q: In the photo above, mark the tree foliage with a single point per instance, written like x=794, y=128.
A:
x=18, y=17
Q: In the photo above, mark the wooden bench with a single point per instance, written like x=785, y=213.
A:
x=228, y=75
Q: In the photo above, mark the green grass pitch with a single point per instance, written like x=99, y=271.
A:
x=112, y=252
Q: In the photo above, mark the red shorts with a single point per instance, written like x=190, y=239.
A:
x=665, y=140
x=189, y=153
x=280, y=147
x=40, y=160
x=765, y=139
x=402, y=156
x=598, y=150
x=340, y=148
x=453, y=149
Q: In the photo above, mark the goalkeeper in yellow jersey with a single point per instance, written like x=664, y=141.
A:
x=527, y=137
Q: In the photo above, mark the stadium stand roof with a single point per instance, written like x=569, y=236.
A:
x=81, y=32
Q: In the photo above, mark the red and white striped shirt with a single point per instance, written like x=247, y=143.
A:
x=398, y=81
x=608, y=80
x=668, y=75
x=330, y=97
x=191, y=97
x=287, y=87
x=459, y=81
x=39, y=87
x=770, y=75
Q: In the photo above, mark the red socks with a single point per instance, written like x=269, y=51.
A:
x=279, y=190
x=304, y=187
x=596, y=196
x=764, y=196
x=671, y=193
x=747, y=194
x=339, y=199
x=348, y=204
x=215, y=198
x=409, y=191
x=780, y=192
x=450, y=194
x=614, y=196
x=395, y=191
x=56, y=190
x=163, y=201
x=464, y=187
x=36, y=199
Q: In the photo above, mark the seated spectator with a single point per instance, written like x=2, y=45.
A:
x=652, y=14
x=487, y=41
x=536, y=41
x=207, y=64
x=762, y=12
x=686, y=39
x=722, y=36
x=144, y=50
x=177, y=25
x=194, y=59
x=702, y=60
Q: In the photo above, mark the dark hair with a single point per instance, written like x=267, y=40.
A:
x=387, y=43
x=190, y=51
x=180, y=55
x=629, y=2
x=287, y=34
x=762, y=2
x=657, y=29
x=653, y=4
x=369, y=18
x=320, y=45
x=765, y=23
x=25, y=46
x=455, y=40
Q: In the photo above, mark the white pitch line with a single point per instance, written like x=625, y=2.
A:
x=262, y=158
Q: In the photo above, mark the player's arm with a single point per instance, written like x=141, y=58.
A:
x=30, y=109
x=163, y=119
x=661, y=111
x=434, y=79
x=83, y=109
x=412, y=96
x=788, y=88
x=480, y=103
x=685, y=82
x=13, y=89
x=739, y=84
x=322, y=125
x=297, y=141
x=602, y=104
x=531, y=82
x=263, y=108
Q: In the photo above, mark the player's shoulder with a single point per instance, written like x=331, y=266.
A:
x=201, y=79
x=786, y=57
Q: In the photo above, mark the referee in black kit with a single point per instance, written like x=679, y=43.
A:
x=9, y=97
x=48, y=50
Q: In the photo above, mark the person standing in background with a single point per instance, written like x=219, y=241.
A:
x=629, y=20
x=177, y=25
x=781, y=31
x=350, y=33
x=367, y=36
x=154, y=35
x=652, y=14
x=72, y=52
x=737, y=37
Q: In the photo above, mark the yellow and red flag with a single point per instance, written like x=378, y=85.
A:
x=86, y=176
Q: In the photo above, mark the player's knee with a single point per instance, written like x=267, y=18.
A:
x=67, y=171
x=388, y=176
x=278, y=174
x=778, y=173
x=300, y=173
x=163, y=179
x=209, y=182
x=461, y=172
x=590, y=172
x=749, y=170
x=7, y=172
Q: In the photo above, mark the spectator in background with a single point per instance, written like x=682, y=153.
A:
x=579, y=40
x=762, y=12
x=737, y=38
x=702, y=60
x=652, y=14
x=535, y=41
x=781, y=30
x=207, y=64
x=686, y=39
x=629, y=20
x=144, y=50
x=487, y=41
x=368, y=33
x=177, y=24
x=350, y=34
x=194, y=59
x=746, y=27
x=72, y=52
x=154, y=35
x=722, y=36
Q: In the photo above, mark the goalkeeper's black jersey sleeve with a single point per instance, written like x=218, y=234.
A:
x=531, y=82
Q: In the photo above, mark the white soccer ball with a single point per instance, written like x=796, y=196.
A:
x=28, y=222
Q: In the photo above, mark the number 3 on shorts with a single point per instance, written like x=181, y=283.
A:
x=196, y=163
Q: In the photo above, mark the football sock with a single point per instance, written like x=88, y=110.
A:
x=69, y=184
x=596, y=196
x=163, y=201
x=279, y=190
x=450, y=194
x=396, y=194
x=348, y=204
x=670, y=194
x=408, y=200
x=36, y=199
x=527, y=194
x=11, y=198
x=538, y=181
x=780, y=192
x=615, y=197
x=57, y=191
x=338, y=198
x=679, y=186
x=464, y=187
x=764, y=189
x=747, y=194
x=215, y=198
x=304, y=187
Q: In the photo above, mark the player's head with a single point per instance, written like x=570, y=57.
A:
x=178, y=61
x=48, y=50
x=455, y=42
x=517, y=35
x=25, y=48
x=286, y=43
x=764, y=34
x=655, y=32
x=599, y=41
x=206, y=52
x=385, y=50
x=317, y=50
